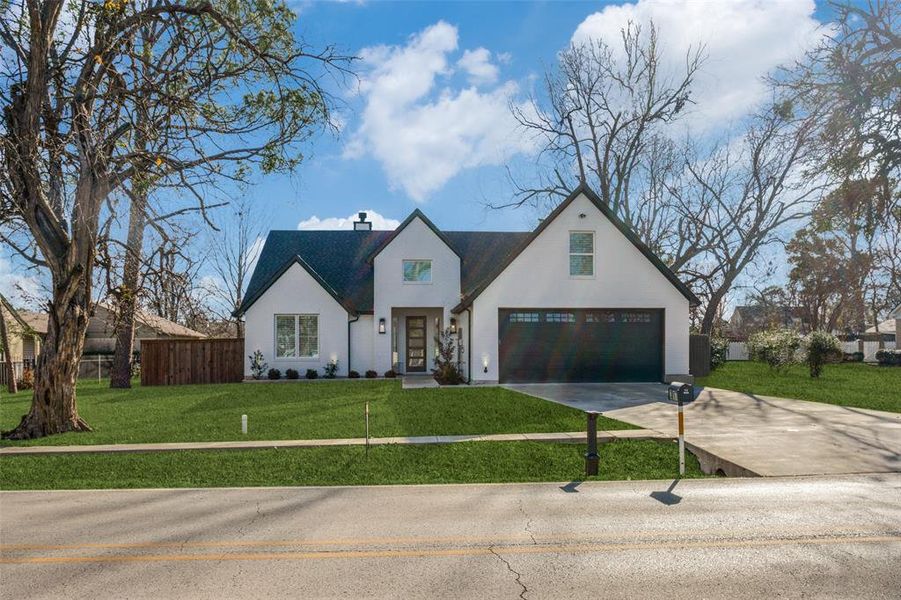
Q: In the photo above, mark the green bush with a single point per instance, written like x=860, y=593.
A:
x=448, y=369
x=776, y=347
x=354, y=374
x=390, y=374
x=820, y=347
x=330, y=370
x=719, y=349
x=291, y=373
x=275, y=374
x=258, y=366
x=889, y=358
x=312, y=374
x=370, y=374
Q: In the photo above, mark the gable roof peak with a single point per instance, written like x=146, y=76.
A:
x=416, y=214
x=584, y=189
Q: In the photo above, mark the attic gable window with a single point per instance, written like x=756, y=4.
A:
x=417, y=271
x=581, y=254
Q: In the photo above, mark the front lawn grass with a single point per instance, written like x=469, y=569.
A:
x=847, y=384
x=467, y=462
x=298, y=410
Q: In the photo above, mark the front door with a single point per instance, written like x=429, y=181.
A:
x=416, y=344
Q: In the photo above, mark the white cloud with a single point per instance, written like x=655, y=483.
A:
x=477, y=64
x=378, y=222
x=424, y=132
x=22, y=291
x=744, y=40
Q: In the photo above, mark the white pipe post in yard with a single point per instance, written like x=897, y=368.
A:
x=681, y=439
x=244, y=424
x=98, y=368
x=367, y=428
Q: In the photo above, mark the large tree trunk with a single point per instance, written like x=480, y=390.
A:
x=53, y=407
x=120, y=375
x=7, y=354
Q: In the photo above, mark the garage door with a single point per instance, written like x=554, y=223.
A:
x=585, y=345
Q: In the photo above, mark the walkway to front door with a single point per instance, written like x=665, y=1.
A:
x=416, y=344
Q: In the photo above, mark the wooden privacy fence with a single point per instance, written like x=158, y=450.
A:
x=699, y=354
x=179, y=362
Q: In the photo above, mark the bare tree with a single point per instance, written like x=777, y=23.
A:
x=757, y=187
x=601, y=118
x=231, y=87
x=850, y=88
x=232, y=256
x=171, y=286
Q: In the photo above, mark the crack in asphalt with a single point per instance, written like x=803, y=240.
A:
x=516, y=573
x=529, y=520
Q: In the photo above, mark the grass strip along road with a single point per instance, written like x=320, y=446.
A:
x=466, y=462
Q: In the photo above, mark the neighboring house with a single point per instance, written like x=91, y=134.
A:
x=25, y=329
x=747, y=320
x=101, y=334
x=887, y=331
x=580, y=298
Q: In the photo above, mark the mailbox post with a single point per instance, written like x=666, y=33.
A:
x=591, y=457
x=681, y=393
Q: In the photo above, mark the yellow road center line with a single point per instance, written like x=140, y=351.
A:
x=546, y=537
x=475, y=551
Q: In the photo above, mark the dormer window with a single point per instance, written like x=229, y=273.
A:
x=581, y=254
x=417, y=271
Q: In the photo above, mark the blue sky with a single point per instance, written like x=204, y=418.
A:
x=427, y=125
x=363, y=168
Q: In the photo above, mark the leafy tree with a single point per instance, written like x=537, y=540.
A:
x=819, y=348
x=100, y=98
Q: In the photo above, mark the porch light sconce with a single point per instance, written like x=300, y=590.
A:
x=453, y=325
x=382, y=325
x=485, y=363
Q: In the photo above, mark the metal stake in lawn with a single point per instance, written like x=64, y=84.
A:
x=591, y=457
x=367, y=429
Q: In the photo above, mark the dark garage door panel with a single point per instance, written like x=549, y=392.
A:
x=580, y=345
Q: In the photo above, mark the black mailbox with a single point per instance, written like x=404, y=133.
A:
x=681, y=392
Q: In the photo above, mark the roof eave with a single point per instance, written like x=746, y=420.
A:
x=296, y=259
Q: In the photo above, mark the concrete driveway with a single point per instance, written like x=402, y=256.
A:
x=601, y=397
x=749, y=434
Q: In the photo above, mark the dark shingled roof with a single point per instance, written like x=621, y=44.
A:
x=339, y=260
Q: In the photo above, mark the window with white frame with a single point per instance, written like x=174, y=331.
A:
x=581, y=254
x=296, y=336
x=417, y=271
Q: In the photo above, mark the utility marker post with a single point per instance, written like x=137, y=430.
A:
x=367, y=429
x=591, y=457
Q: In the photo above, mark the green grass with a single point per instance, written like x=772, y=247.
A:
x=303, y=410
x=469, y=462
x=848, y=384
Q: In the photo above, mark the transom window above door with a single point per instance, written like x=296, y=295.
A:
x=581, y=254
x=417, y=271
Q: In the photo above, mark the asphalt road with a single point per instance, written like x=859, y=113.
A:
x=837, y=536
